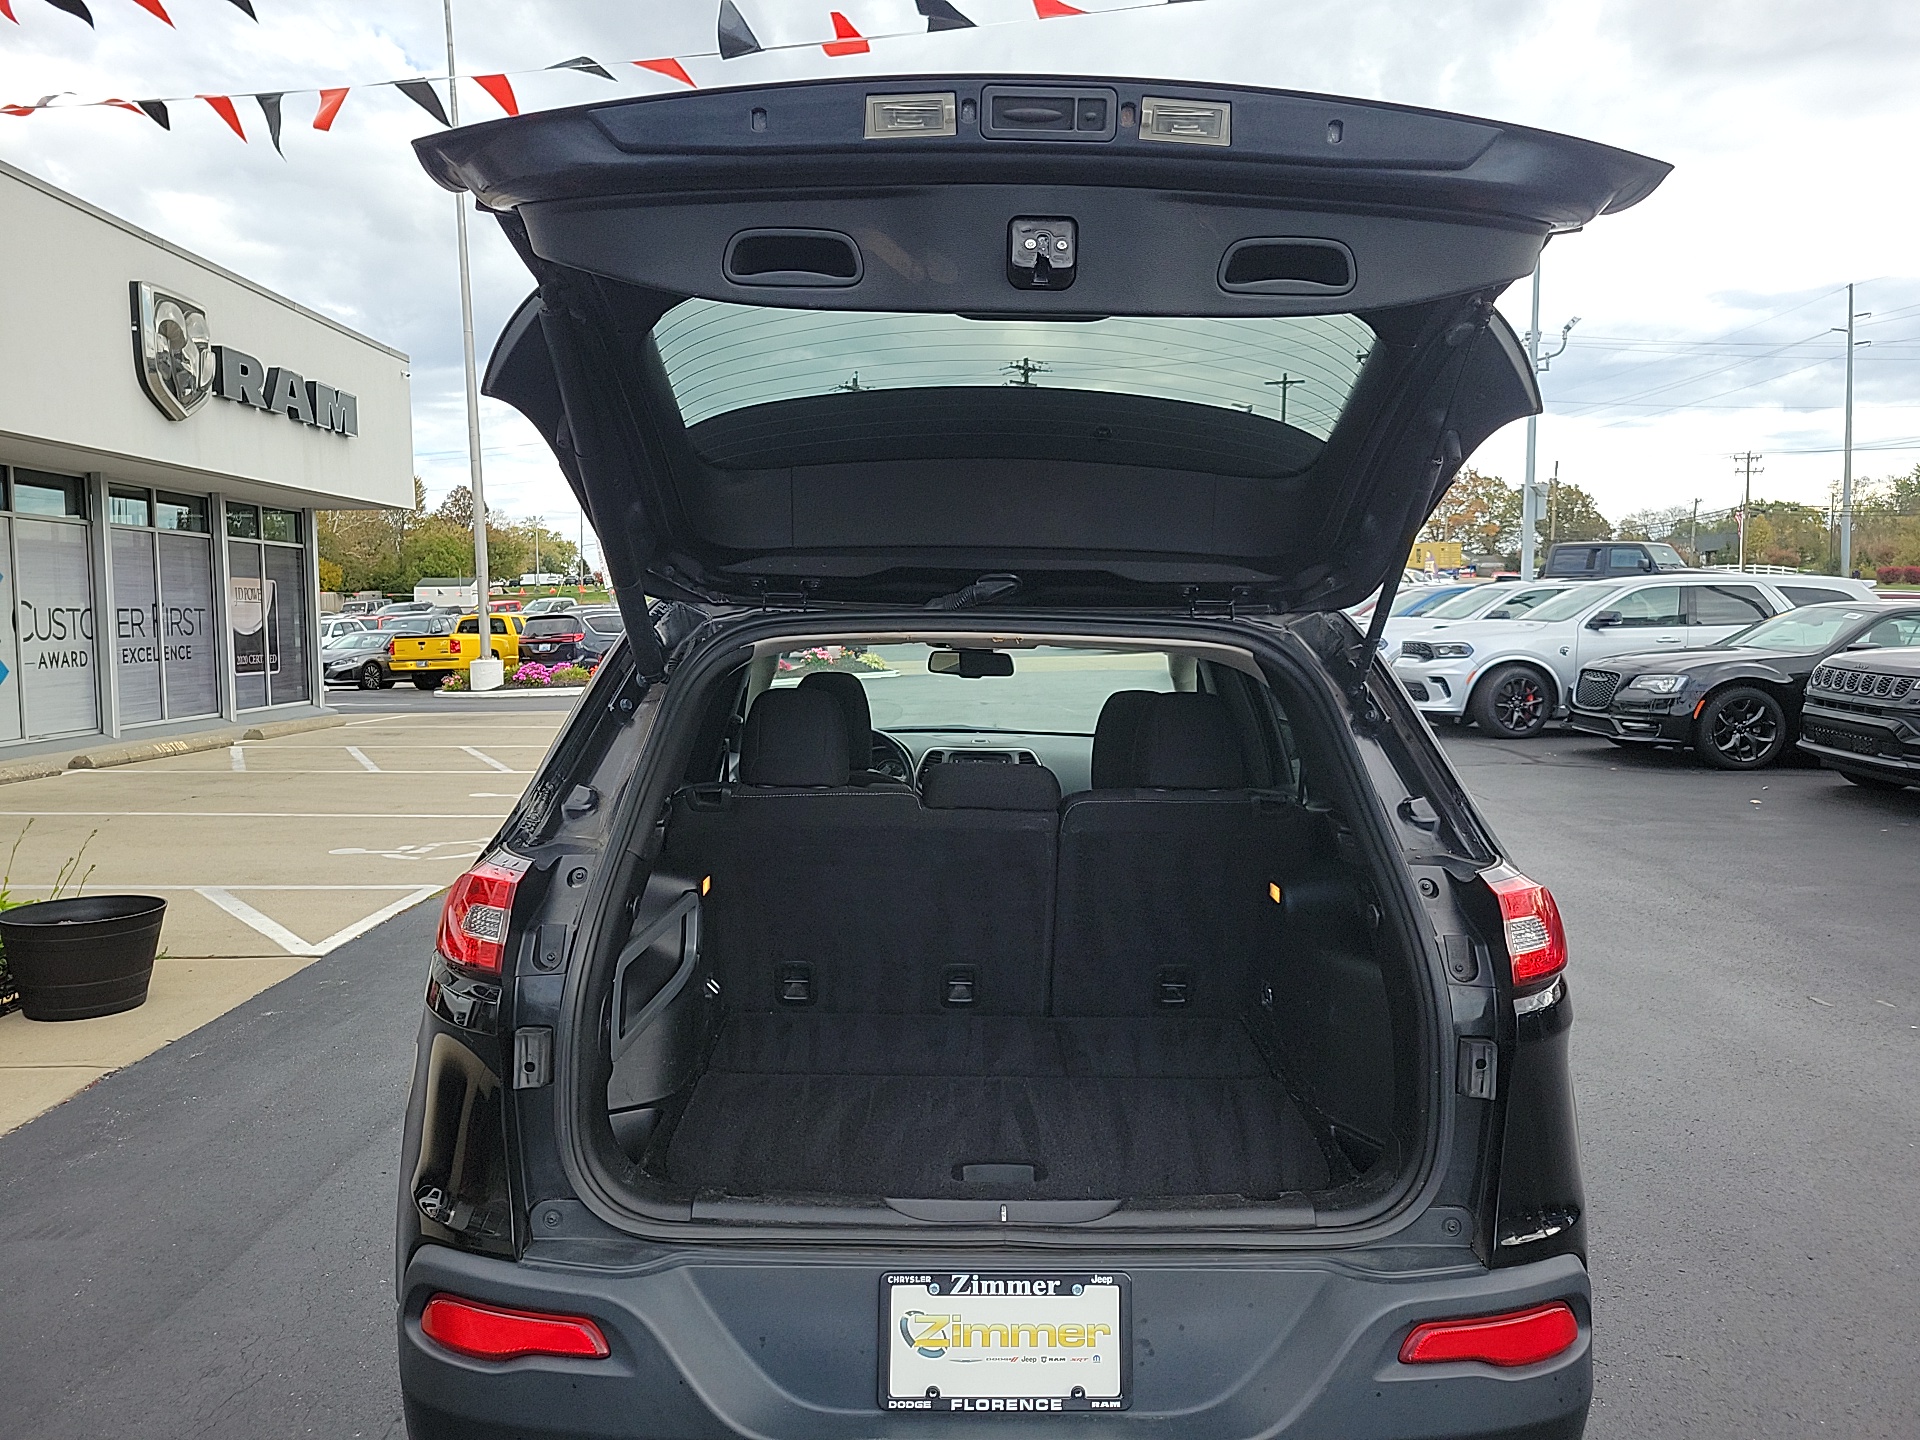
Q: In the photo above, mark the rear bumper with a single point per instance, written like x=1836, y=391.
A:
x=785, y=1345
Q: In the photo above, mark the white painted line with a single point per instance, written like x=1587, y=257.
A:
x=255, y=814
x=376, y=720
x=292, y=943
x=486, y=759
x=365, y=764
x=237, y=757
x=194, y=889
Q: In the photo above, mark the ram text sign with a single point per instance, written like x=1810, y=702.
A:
x=181, y=367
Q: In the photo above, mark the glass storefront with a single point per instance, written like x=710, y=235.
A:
x=51, y=687
x=163, y=638
x=267, y=605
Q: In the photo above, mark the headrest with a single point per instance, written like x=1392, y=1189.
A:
x=1113, y=738
x=1186, y=741
x=984, y=785
x=794, y=737
x=851, y=696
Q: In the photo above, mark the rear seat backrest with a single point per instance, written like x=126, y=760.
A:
x=857, y=898
x=1163, y=905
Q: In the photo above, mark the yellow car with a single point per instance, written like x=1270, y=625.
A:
x=428, y=659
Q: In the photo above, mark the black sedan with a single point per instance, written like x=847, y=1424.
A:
x=1736, y=703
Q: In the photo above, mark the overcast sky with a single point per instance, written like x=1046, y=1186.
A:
x=1704, y=313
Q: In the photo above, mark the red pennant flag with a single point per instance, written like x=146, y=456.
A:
x=670, y=68
x=16, y=109
x=124, y=105
x=850, y=41
x=153, y=7
x=223, y=107
x=6, y=9
x=500, y=90
x=1054, y=9
x=330, y=102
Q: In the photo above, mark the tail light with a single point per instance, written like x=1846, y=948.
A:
x=391, y=643
x=575, y=638
x=473, y=924
x=1521, y=1337
x=1536, y=940
x=491, y=1332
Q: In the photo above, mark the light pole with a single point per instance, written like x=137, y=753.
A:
x=1529, y=491
x=486, y=672
x=1846, y=445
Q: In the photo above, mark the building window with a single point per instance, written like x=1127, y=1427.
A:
x=127, y=506
x=181, y=512
x=243, y=522
x=35, y=492
x=267, y=606
x=280, y=525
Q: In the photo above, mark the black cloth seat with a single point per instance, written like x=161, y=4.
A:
x=851, y=696
x=1163, y=887
x=979, y=785
x=1113, y=735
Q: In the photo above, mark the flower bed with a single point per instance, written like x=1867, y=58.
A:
x=830, y=657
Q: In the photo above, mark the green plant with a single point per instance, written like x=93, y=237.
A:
x=62, y=881
x=571, y=675
x=454, y=681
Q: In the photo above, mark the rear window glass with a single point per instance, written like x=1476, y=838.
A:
x=553, y=625
x=721, y=357
x=606, y=622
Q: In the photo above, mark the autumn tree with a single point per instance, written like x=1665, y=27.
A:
x=1481, y=512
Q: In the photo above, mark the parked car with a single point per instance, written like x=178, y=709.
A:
x=451, y=647
x=576, y=637
x=1610, y=560
x=1486, y=601
x=335, y=625
x=358, y=606
x=1862, y=717
x=1411, y=600
x=1510, y=677
x=1737, y=703
x=359, y=659
x=759, y=1093
x=549, y=604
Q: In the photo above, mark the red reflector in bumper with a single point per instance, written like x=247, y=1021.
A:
x=1524, y=1337
x=488, y=1332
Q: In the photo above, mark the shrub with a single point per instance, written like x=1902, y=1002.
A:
x=1890, y=574
x=532, y=674
x=571, y=675
x=454, y=682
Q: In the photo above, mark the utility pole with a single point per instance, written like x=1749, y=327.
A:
x=1750, y=464
x=1693, y=531
x=1553, y=508
x=1023, y=370
x=536, y=545
x=1286, y=383
x=1529, y=493
x=1846, y=445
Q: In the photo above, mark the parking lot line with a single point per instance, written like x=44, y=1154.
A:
x=487, y=759
x=237, y=758
x=494, y=815
x=365, y=764
x=294, y=944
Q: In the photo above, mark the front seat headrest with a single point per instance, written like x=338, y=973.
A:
x=1113, y=735
x=1186, y=741
x=794, y=737
x=851, y=696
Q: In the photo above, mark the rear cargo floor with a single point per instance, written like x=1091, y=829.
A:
x=896, y=1105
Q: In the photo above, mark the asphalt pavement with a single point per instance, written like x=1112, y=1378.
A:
x=200, y=1243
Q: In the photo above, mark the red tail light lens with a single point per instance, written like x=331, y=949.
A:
x=473, y=924
x=1522, y=1337
x=489, y=1332
x=1536, y=940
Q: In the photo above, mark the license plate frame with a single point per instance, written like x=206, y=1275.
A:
x=1037, y=1345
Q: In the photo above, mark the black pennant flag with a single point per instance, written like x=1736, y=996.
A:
x=246, y=7
x=156, y=111
x=270, y=107
x=425, y=96
x=75, y=8
x=736, y=36
x=586, y=64
x=942, y=16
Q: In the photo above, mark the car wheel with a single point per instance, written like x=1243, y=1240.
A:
x=427, y=682
x=370, y=675
x=1515, y=701
x=1743, y=728
x=1873, y=782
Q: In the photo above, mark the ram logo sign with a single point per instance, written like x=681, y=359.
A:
x=180, y=367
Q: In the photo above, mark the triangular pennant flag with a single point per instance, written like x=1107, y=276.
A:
x=156, y=111
x=120, y=104
x=153, y=7
x=736, y=36
x=850, y=41
x=247, y=7
x=942, y=16
x=586, y=65
x=1054, y=9
x=75, y=8
x=330, y=102
x=270, y=107
x=670, y=68
x=22, y=110
x=425, y=96
x=500, y=90
x=223, y=107
x=6, y=9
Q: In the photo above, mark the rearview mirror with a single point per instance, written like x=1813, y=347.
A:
x=1605, y=620
x=970, y=664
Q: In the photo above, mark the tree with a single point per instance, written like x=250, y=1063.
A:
x=1572, y=515
x=332, y=576
x=1481, y=512
x=458, y=508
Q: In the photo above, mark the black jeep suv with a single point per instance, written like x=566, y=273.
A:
x=1018, y=953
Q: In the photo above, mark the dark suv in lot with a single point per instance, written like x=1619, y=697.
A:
x=1017, y=955
x=1862, y=717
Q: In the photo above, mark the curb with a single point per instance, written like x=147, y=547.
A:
x=101, y=757
x=515, y=690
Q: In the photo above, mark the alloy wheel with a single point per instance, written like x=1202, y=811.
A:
x=1519, y=704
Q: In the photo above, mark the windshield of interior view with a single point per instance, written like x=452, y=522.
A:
x=1574, y=602
x=1814, y=628
x=1051, y=691
x=1299, y=369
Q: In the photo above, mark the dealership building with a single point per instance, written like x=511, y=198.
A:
x=167, y=431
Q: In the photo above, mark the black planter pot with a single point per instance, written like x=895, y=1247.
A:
x=75, y=959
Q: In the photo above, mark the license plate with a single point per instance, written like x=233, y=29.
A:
x=1016, y=1342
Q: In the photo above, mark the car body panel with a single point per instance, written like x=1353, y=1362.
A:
x=446, y=653
x=1862, y=716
